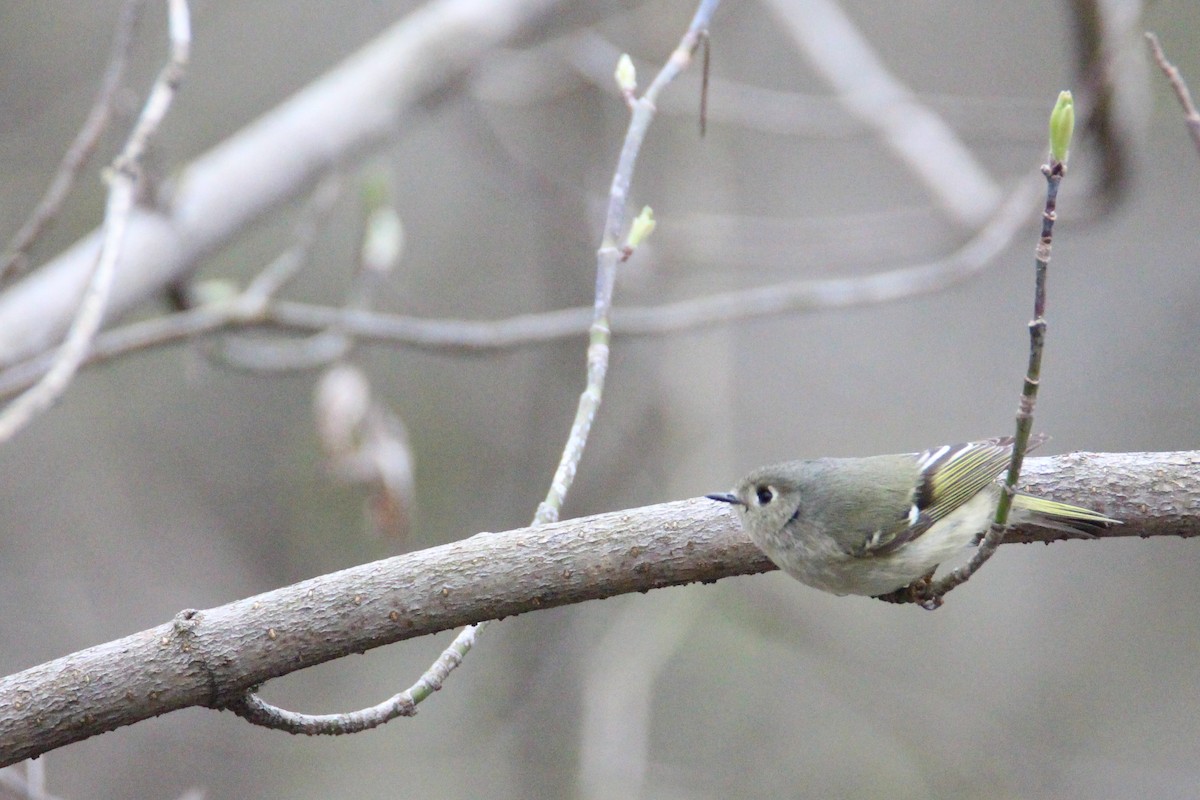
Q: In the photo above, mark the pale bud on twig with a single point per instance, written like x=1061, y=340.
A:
x=626, y=75
x=211, y=292
x=383, y=240
x=643, y=225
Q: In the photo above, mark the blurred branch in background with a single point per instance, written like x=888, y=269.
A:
x=356, y=106
x=619, y=691
x=15, y=260
x=864, y=85
x=284, y=268
x=920, y=138
x=610, y=253
x=30, y=783
x=1107, y=64
x=475, y=336
x=1179, y=86
x=123, y=178
x=745, y=105
x=25, y=784
x=211, y=658
x=380, y=252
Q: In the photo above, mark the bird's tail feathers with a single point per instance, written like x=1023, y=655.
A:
x=1061, y=516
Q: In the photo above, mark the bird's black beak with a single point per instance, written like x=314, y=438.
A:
x=727, y=497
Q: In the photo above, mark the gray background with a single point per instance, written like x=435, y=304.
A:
x=163, y=482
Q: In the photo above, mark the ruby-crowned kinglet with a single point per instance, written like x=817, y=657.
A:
x=873, y=525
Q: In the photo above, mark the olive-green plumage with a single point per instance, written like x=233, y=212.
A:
x=873, y=525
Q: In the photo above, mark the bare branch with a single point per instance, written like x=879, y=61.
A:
x=15, y=259
x=284, y=267
x=210, y=658
x=926, y=144
x=478, y=336
x=355, y=106
x=1190, y=115
x=380, y=252
x=123, y=180
x=1054, y=171
x=608, y=256
x=747, y=105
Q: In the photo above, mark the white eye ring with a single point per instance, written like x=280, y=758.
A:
x=763, y=495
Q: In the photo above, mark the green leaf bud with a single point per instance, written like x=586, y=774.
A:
x=1062, y=125
x=642, y=227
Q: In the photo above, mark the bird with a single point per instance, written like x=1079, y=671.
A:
x=872, y=526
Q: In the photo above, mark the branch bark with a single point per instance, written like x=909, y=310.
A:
x=209, y=658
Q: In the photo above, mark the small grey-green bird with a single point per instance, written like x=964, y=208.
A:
x=873, y=525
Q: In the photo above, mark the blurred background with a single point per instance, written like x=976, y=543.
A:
x=166, y=480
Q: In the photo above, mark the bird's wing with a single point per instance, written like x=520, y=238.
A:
x=947, y=477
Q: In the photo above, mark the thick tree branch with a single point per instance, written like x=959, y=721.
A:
x=210, y=658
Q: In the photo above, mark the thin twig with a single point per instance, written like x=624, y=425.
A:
x=380, y=251
x=608, y=256
x=1101, y=31
x=532, y=75
x=16, y=255
x=321, y=349
x=1190, y=116
x=123, y=177
x=284, y=267
x=254, y=709
x=349, y=110
x=932, y=597
x=480, y=336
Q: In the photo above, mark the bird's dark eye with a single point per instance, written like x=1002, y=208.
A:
x=764, y=493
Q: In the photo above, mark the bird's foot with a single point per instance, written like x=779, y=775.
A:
x=919, y=592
